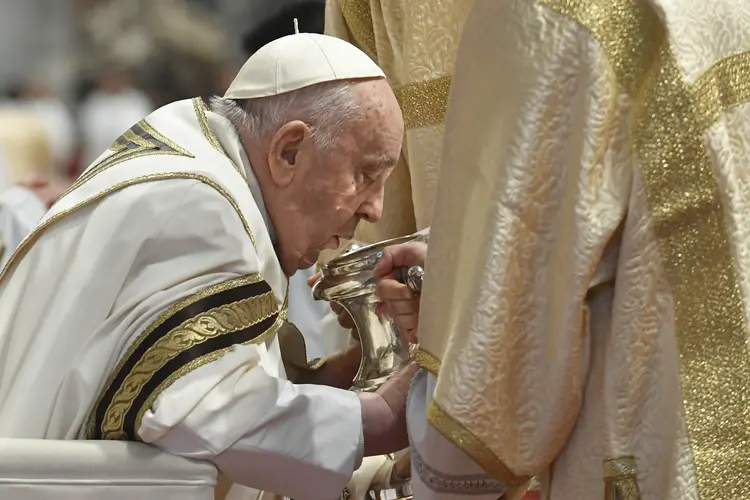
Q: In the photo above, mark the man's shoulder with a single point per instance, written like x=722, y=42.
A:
x=149, y=201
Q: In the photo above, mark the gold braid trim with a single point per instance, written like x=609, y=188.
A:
x=472, y=445
x=195, y=331
x=620, y=481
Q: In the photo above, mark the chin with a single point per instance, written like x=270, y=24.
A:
x=308, y=261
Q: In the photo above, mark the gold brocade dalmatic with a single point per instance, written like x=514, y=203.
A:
x=415, y=43
x=670, y=121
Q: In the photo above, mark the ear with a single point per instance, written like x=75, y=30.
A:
x=284, y=151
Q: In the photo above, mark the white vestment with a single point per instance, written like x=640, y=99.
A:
x=146, y=306
x=591, y=237
x=20, y=211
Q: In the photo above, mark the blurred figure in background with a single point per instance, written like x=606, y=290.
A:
x=21, y=208
x=56, y=118
x=113, y=107
x=28, y=186
x=25, y=145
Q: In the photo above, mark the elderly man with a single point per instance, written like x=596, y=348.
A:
x=592, y=244
x=149, y=302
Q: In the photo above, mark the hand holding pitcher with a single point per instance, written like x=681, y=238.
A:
x=401, y=301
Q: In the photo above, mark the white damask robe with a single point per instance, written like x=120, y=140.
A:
x=146, y=306
x=591, y=237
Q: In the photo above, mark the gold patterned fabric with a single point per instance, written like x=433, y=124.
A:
x=620, y=479
x=140, y=140
x=415, y=42
x=195, y=331
x=593, y=247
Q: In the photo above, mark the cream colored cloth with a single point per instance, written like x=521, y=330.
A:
x=591, y=238
x=415, y=42
x=25, y=145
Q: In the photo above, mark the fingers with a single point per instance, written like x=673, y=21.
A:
x=411, y=335
x=389, y=289
x=344, y=318
x=402, y=308
x=401, y=305
x=405, y=255
x=402, y=467
x=408, y=328
x=312, y=279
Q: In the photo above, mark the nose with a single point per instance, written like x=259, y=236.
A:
x=371, y=209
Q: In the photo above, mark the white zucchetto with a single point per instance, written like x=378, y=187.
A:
x=297, y=61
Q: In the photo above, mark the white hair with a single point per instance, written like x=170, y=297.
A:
x=327, y=108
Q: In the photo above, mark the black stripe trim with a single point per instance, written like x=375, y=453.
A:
x=239, y=311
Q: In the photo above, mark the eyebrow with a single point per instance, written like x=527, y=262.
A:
x=377, y=160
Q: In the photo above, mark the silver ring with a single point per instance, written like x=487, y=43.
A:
x=413, y=277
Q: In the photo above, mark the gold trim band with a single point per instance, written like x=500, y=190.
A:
x=458, y=434
x=620, y=479
x=190, y=334
x=358, y=18
x=426, y=360
x=424, y=103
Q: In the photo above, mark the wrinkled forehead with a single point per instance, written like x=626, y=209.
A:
x=375, y=142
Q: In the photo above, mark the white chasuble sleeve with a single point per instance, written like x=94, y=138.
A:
x=203, y=377
x=533, y=189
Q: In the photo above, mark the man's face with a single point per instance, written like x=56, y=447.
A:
x=333, y=190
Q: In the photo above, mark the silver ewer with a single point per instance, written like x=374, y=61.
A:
x=348, y=281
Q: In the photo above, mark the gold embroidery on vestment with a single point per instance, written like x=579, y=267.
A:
x=426, y=360
x=193, y=334
x=670, y=120
x=458, y=434
x=358, y=16
x=140, y=140
x=424, y=103
x=620, y=481
x=200, y=112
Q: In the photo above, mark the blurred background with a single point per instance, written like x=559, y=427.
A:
x=74, y=74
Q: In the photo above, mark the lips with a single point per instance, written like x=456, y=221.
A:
x=332, y=243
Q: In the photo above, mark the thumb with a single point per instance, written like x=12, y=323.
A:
x=385, y=264
x=312, y=279
x=404, y=255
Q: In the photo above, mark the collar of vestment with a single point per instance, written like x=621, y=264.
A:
x=232, y=144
